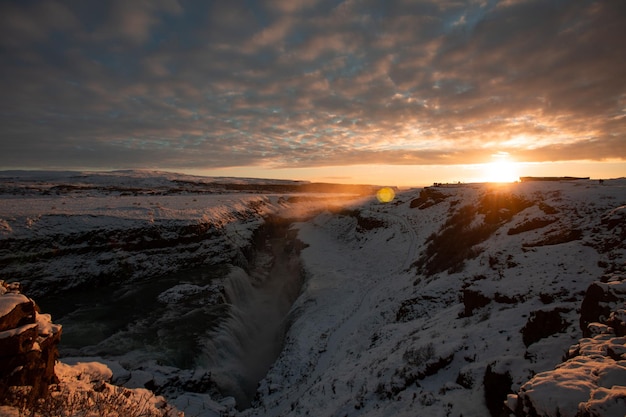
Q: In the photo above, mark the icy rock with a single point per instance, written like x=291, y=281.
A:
x=599, y=328
x=140, y=379
x=574, y=385
x=616, y=217
x=605, y=402
x=181, y=292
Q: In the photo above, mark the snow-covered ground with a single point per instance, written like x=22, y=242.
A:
x=62, y=229
x=444, y=302
x=380, y=329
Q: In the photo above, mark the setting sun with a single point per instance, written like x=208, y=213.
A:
x=500, y=171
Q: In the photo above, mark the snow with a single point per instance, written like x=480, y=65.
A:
x=45, y=327
x=346, y=355
x=9, y=301
x=179, y=292
x=372, y=334
x=18, y=330
x=67, y=228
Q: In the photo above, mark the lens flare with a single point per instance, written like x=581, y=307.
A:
x=385, y=195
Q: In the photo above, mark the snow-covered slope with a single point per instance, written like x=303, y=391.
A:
x=445, y=301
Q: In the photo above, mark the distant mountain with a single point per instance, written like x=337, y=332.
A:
x=152, y=182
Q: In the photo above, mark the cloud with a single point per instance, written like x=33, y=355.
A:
x=21, y=26
x=313, y=83
x=134, y=21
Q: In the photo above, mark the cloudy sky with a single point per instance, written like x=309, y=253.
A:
x=314, y=89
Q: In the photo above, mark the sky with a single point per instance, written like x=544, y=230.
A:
x=394, y=92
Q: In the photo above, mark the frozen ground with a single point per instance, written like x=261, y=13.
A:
x=445, y=302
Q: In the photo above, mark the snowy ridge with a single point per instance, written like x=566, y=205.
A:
x=59, y=230
x=141, y=179
x=372, y=337
x=58, y=242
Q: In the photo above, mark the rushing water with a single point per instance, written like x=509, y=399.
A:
x=219, y=318
x=242, y=349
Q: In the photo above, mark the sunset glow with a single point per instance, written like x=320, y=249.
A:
x=386, y=92
x=502, y=169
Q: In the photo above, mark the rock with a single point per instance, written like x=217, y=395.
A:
x=473, y=300
x=542, y=324
x=428, y=197
x=617, y=321
x=590, y=381
x=16, y=310
x=497, y=386
x=18, y=341
x=28, y=344
x=7, y=411
x=600, y=300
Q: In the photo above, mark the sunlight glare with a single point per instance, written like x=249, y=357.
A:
x=500, y=170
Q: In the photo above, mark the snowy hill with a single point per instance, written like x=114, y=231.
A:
x=447, y=301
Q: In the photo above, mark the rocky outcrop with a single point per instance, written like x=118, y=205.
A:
x=497, y=386
x=542, y=324
x=473, y=300
x=601, y=300
x=28, y=343
x=428, y=197
x=590, y=382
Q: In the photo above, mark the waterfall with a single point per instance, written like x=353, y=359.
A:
x=240, y=351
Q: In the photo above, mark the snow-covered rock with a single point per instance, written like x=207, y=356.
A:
x=33, y=382
x=28, y=343
x=591, y=382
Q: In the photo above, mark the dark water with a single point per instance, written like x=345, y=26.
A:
x=130, y=318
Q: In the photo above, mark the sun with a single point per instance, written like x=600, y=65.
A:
x=502, y=170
